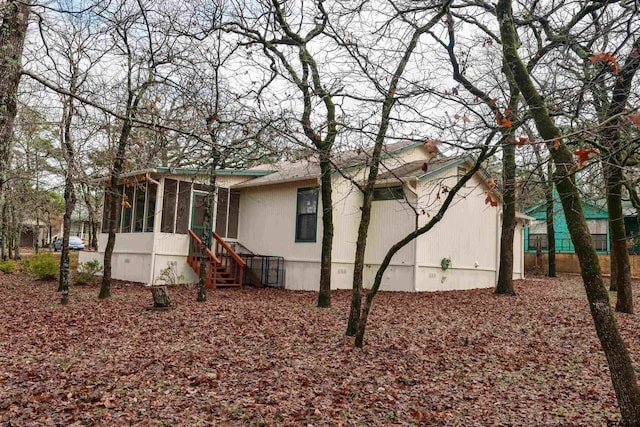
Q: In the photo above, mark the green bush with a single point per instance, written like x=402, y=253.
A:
x=43, y=266
x=7, y=266
x=87, y=271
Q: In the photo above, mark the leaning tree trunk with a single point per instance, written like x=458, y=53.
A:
x=615, y=144
x=112, y=200
x=364, y=315
x=623, y=375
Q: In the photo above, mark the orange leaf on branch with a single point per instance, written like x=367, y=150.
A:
x=634, y=118
x=605, y=57
x=506, y=122
x=556, y=142
x=583, y=155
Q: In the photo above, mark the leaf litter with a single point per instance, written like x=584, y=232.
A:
x=269, y=357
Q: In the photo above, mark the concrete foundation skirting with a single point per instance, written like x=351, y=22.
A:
x=568, y=263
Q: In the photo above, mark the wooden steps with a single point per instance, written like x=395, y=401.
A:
x=225, y=268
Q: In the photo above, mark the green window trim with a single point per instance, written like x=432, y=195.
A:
x=306, y=215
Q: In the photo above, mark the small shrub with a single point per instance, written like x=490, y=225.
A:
x=169, y=275
x=7, y=266
x=43, y=266
x=87, y=271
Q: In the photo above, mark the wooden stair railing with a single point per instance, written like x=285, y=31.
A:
x=224, y=266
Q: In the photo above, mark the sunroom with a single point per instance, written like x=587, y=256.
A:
x=160, y=213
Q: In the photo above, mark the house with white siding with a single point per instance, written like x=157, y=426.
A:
x=273, y=213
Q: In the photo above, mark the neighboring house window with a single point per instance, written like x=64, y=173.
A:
x=462, y=171
x=598, y=230
x=538, y=242
x=388, y=193
x=306, y=214
x=538, y=236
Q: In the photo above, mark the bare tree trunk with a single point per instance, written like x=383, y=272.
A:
x=620, y=266
x=206, y=234
x=623, y=375
x=505, y=272
x=364, y=315
x=374, y=165
x=112, y=198
x=94, y=235
x=615, y=143
x=68, y=151
x=70, y=201
x=17, y=231
x=551, y=231
x=324, y=295
x=14, y=19
x=3, y=232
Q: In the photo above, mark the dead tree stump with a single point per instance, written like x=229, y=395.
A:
x=160, y=296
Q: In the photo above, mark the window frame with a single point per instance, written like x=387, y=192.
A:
x=395, y=191
x=298, y=214
x=532, y=237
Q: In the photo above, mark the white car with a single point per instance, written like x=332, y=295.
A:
x=74, y=243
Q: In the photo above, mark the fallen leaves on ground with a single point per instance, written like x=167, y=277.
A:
x=269, y=357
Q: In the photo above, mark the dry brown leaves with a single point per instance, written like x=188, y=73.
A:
x=269, y=357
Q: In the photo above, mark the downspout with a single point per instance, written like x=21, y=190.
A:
x=497, y=264
x=157, y=219
x=415, y=258
x=414, y=190
x=521, y=250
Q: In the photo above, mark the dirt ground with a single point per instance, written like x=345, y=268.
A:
x=269, y=357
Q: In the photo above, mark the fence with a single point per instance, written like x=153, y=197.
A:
x=263, y=269
x=569, y=263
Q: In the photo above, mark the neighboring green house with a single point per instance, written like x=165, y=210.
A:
x=535, y=236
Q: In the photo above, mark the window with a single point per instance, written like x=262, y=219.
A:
x=221, y=211
x=538, y=242
x=306, y=215
x=140, y=198
x=169, y=205
x=227, y=212
x=598, y=230
x=151, y=206
x=462, y=171
x=388, y=193
x=127, y=208
x=234, y=213
x=183, y=211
